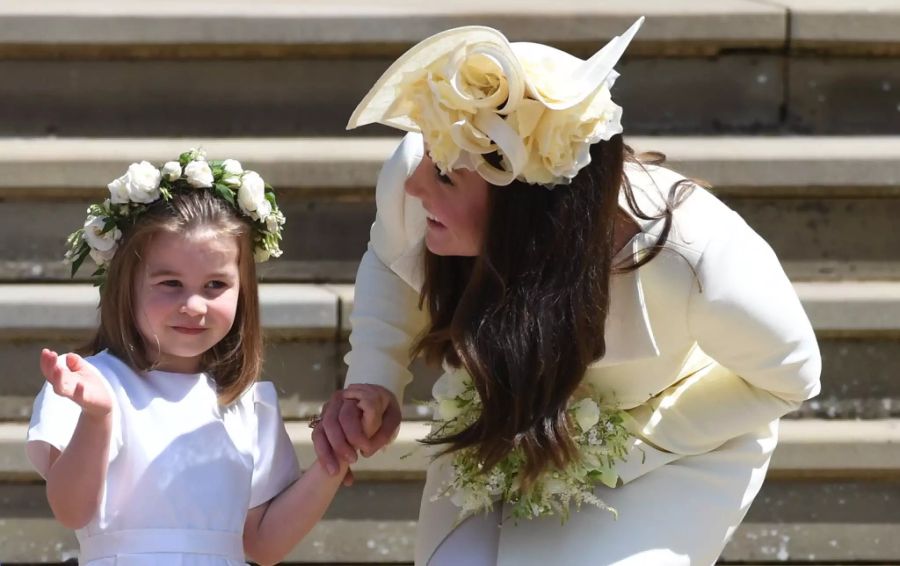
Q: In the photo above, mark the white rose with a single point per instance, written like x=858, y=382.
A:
x=103, y=245
x=587, y=414
x=251, y=194
x=171, y=170
x=143, y=182
x=198, y=174
x=233, y=172
x=118, y=190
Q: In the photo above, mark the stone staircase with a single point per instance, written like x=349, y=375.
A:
x=790, y=108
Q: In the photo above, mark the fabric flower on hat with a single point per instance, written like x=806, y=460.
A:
x=471, y=92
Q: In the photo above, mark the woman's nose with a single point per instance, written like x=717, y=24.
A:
x=416, y=185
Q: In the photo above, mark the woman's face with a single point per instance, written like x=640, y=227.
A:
x=456, y=205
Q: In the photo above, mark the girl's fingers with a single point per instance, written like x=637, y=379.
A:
x=75, y=362
x=78, y=393
x=48, y=362
x=323, y=450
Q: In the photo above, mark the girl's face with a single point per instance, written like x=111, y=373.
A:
x=457, y=208
x=186, y=296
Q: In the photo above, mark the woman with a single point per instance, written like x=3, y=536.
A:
x=519, y=239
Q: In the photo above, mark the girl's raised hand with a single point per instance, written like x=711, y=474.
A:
x=76, y=379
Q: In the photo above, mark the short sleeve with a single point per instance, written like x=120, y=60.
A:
x=275, y=464
x=53, y=422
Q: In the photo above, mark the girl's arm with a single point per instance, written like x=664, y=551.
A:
x=77, y=474
x=272, y=529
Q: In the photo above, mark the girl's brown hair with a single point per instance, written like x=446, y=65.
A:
x=235, y=361
x=527, y=315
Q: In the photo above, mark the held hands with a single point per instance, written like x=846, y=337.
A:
x=74, y=378
x=362, y=417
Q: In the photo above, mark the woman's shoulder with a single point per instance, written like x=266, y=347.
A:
x=697, y=218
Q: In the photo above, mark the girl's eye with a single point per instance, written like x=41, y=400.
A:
x=170, y=283
x=216, y=285
x=441, y=177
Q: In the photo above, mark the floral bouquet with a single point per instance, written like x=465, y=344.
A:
x=601, y=439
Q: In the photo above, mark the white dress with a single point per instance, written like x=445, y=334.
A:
x=707, y=346
x=183, y=471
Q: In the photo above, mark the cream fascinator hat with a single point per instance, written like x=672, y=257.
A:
x=471, y=92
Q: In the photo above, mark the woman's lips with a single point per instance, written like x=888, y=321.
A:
x=432, y=223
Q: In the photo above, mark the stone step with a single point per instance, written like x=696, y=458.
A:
x=341, y=167
x=839, y=508
x=858, y=325
x=338, y=542
x=321, y=26
x=818, y=200
x=706, y=66
x=812, y=449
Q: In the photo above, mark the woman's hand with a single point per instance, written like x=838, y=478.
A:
x=77, y=380
x=342, y=430
x=373, y=401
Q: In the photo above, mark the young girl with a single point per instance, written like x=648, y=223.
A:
x=161, y=447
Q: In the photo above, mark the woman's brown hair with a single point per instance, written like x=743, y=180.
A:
x=236, y=360
x=527, y=315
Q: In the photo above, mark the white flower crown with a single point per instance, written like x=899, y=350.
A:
x=131, y=194
x=471, y=92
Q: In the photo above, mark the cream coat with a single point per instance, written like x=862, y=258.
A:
x=707, y=346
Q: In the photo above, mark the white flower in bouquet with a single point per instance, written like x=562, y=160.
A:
x=171, y=171
x=118, y=191
x=198, y=174
x=143, y=180
x=102, y=243
x=587, y=414
x=261, y=254
x=275, y=221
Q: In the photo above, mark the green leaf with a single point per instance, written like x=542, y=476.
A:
x=80, y=259
x=226, y=193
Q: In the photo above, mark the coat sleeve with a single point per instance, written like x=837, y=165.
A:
x=386, y=319
x=745, y=315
